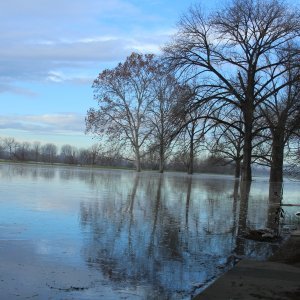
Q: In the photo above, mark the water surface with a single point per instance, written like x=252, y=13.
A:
x=76, y=233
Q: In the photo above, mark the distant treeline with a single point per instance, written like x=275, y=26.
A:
x=98, y=155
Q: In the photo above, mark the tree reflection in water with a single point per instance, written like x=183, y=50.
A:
x=242, y=223
x=163, y=236
x=170, y=234
x=248, y=247
x=275, y=202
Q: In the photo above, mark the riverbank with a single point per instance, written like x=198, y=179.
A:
x=276, y=279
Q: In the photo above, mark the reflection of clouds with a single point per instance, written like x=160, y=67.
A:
x=63, y=248
x=48, y=204
x=155, y=238
x=163, y=233
x=42, y=190
x=43, y=247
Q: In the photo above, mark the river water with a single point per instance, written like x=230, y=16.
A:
x=77, y=233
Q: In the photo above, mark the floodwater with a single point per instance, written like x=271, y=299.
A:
x=77, y=233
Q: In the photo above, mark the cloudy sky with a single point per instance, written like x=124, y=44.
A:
x=51, y=50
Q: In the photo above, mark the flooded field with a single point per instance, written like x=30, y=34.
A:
x=76, y=233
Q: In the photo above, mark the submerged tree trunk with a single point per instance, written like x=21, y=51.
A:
x=243, y=214
x=138, y=160
x=191, y=161
x=161, y=165
x=188, y=200
x=138, y=164
x=246, y=166
x=237, y=171
x=274, y=210
x=161, y=158
x=247, y=149
x=276, y=171
x=191, y=156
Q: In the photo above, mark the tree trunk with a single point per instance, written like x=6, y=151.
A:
x=161, y=159
x=243, y=214
x=237, y=171
x=274, y=209
x=191, y=153
x=191, y=159
x=188, y=200
x=276, y=171
x=138, y=160
x=247, y=149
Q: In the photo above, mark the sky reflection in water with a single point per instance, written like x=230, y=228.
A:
x=159, y=236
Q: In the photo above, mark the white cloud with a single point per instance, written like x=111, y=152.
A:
x=10, y=88
x=144, y=48
x=46, y=123
x=64, y=9
x=55, y=76
x=37, y=61
x=39, y=36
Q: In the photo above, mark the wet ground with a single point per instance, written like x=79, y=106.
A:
x=275, y=279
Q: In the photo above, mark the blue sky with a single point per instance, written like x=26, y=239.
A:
x=52, y=50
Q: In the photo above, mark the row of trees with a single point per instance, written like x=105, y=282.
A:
x=229, y=79
x=11, y=149
x=97, y=155
x=142, y=111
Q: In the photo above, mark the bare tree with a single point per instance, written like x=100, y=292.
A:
x=69, y=154
x=231, y=53
x=23, y=151
x=193, y=134
x=124, y=97
x=163, y=115
x=226, y=140
x=194, y=125
x=10, y=145
x=36, y=148
x=282, y=115
x=94, y=153
x=83, y=156
x=2, y=148
x=49, y=152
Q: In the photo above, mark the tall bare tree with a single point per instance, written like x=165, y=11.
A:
x=193, y=134
x=23, y=151
x=2, y=147
x=162, y=115
x=124, y=97
x=69, y=154
x=227, y=141
x=36, y=149
x=49, y=152
x=282, y=115
x=232, y=52
x=10, y=144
